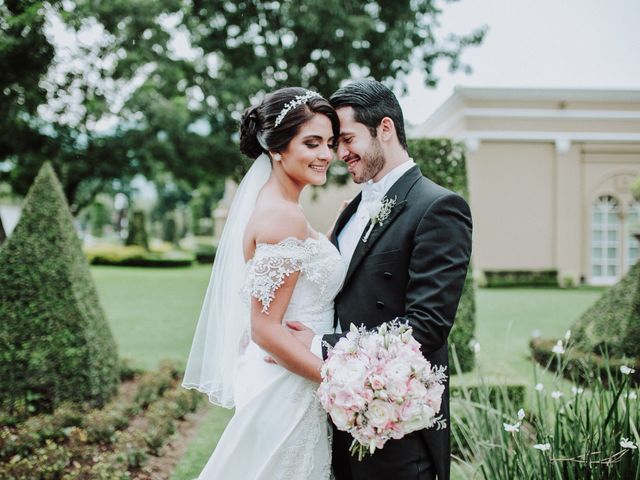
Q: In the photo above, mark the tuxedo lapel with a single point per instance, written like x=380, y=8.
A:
x=399, y=190
x=363, y=247
x=343, y=218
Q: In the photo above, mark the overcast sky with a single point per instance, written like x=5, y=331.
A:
x=538, y=43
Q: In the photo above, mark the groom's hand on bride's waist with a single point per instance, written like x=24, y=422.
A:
x=303, y=333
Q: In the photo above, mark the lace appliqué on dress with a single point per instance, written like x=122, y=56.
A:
x=272, y=263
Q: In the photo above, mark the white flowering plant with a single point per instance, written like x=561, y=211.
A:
x=378, y=386
x=585, y=429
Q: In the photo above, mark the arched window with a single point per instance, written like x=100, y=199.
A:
x=632, y=225
x=605, y=241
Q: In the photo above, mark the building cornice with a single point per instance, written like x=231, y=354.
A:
x=454, y=110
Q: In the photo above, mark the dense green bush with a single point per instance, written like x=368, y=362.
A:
x=55, y=342
x=47, y=462
x=521, y=278
x=612, y=324
x=98, y=444
x=443, y=161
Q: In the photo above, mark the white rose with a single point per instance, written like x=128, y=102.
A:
x=418, y=422
x=350, y=372
x=417, y=389
x=341, y=418
x=396, y=389
x=380, y=413
x=397, y=370
x=410, y=410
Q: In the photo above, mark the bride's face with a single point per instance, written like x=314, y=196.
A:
x=309, y=153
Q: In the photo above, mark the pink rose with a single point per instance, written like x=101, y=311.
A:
x=341, y=418
x=377, y=382
x=417, y=389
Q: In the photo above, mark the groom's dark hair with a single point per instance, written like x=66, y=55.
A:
x=371, y=102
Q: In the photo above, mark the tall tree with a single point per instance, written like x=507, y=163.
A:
x=25, y=57
x=163, y=86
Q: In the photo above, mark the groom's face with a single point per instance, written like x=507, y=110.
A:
x=358, y=148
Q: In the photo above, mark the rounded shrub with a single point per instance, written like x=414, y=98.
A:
x=611, y=326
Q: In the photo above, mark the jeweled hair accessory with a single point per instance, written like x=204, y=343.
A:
x=298, y=100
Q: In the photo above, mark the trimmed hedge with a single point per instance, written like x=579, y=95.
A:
x=205, y=253
x=55, y=342
x=612, y=324
x=583, y=367
x=136, y=256
x=492, y=394
x=443, y=161
x=521, y=278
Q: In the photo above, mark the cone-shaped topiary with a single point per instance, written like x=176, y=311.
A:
x=613, y=322
x=55, y=343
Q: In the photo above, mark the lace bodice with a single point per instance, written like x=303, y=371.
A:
x=321, y=268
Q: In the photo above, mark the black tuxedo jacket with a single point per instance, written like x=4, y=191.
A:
x=413, y=266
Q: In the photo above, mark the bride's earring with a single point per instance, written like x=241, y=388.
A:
x=277, y=157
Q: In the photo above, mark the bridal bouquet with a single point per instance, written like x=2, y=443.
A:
x=377, y=385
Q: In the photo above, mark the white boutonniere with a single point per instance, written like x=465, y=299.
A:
x=379, y=211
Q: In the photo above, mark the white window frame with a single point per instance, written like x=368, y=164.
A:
x=606, y=204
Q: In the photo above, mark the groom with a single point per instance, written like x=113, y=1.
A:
x=412, y=266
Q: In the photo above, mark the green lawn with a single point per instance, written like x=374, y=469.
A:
x=506, y=319
x=153, y=313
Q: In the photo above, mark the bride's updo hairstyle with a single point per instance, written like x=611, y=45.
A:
x=259, y=132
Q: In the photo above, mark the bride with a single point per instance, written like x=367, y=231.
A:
x=271, y=267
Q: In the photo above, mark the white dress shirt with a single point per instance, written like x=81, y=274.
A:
x=351, y=234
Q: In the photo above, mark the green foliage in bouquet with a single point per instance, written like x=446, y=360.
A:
x=443, y=161
x=612, y=324
x=55, y=342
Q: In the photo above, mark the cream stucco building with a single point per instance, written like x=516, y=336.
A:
x=549, y=176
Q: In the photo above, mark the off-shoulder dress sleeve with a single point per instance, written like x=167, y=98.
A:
x=269, y=267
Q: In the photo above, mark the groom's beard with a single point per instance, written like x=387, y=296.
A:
x=372, y=162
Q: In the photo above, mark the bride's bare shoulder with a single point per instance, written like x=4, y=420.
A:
x=279, y=220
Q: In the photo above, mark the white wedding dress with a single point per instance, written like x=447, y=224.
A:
x=279, y=430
